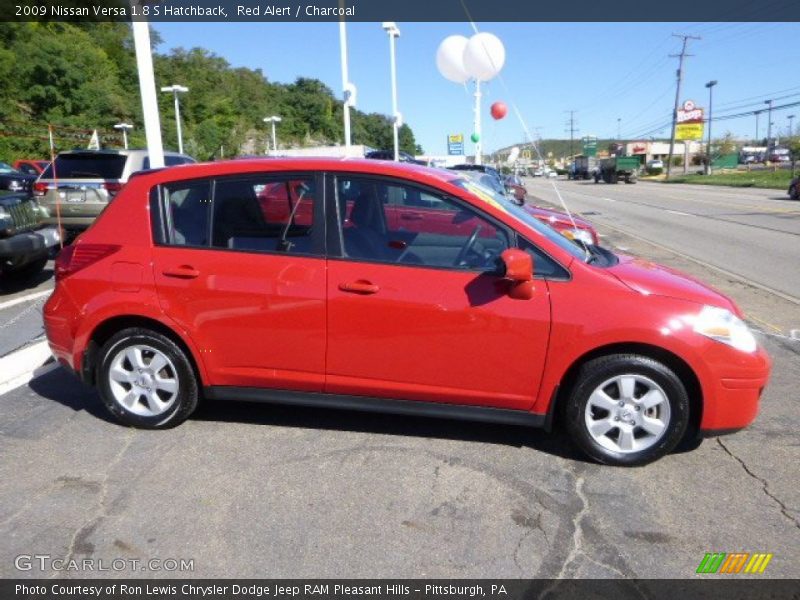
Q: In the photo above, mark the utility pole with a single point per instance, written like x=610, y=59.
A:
x=791, y=130
x=572, y=131
x=679, y=73
x=619, y=128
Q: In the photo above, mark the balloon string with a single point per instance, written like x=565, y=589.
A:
x=525, y=128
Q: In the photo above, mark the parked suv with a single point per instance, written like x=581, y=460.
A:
x=378, y=286
x=87, y=181
x=25, y=242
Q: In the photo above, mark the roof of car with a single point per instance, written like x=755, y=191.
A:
x=360, y=165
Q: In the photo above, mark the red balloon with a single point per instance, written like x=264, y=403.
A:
x=499, y=110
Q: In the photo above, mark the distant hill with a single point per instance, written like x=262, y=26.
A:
x=81, y=77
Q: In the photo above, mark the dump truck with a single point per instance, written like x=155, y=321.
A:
x=612, y=169
x=584, y=167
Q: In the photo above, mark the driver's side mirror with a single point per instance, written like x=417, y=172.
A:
x=519, y=271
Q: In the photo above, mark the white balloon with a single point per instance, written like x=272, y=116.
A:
x=450, y=58
x=513, y=155
x=484, y=56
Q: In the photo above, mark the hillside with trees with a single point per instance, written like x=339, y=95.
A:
x=82, y=77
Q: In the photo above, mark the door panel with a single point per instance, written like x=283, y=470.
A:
x=412, y=311
x=430, y=334
x=247, y=285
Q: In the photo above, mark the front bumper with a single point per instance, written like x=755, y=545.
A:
x=733, y=399
x=30, y=242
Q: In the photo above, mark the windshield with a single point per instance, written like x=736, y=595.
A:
x=491, y=197
x=6, y=168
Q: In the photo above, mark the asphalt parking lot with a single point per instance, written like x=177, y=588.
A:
x=247, y=490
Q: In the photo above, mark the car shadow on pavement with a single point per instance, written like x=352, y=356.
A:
x=14, y=286
x=555, y=443
x=59, y=386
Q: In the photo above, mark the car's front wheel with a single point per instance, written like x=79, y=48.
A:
x=146, y=380
x=627, y=410
x=794, y=192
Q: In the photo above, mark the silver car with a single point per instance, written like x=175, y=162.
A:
x=81, y=183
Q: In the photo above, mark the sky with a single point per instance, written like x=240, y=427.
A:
x=602, y=71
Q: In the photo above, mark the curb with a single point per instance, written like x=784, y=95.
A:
x=20, y=367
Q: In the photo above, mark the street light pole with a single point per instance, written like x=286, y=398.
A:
x=769, y=125
x=391, y=28
x=791, y=129
x=147, y=90
x=349, y=90
x=756, y=113
x=710, y=85
x=619, y=128
x=176, y=89
x=124, y=127
x=273, y=119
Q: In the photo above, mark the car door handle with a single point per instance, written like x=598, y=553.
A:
x=411, y=216
x=359, y=287
x=182, y=272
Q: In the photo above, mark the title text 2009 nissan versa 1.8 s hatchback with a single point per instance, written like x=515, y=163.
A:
x=379, y=286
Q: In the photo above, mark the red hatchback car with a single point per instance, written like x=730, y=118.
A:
x=378, y=286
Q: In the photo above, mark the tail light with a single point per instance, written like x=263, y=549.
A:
x=112, y=187
x=39, y=188
x=78, y=256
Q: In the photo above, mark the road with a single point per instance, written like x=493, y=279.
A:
x=754, y=233
x=262, y=491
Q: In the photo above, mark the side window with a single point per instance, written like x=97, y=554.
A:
x=265, y=214
x=544, y=267
x=188, y=207
x=385, y=221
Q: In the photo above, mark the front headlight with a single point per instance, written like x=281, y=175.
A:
x=723, y=326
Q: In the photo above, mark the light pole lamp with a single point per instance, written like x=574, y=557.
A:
x=710, y=85
x=124, y=127
x=390, y=27
x=273, y=119
x=176, y=89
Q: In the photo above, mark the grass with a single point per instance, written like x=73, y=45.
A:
x=776, y=180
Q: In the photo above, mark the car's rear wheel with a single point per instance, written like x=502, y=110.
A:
x=627, y=410
x=146, y=380
x=794, y=192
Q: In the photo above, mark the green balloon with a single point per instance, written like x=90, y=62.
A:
x=475, y=138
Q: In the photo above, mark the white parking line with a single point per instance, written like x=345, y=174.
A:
x=20, y=367
x=28, y=298
x=677, y=212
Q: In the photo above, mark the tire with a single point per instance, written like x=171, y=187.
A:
x=136, y=391
x=26, y=270
x=794, y=192
x=602, y=384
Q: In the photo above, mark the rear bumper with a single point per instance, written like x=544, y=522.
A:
x=31, y=242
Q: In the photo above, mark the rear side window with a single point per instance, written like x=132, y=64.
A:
x=188, y=207
x=265, y=214
x=87, y=166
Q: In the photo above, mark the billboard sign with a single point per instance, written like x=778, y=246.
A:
x=589, y=146
x=455, y=144
x=689, y=122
